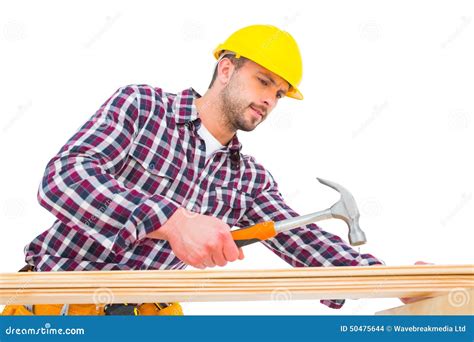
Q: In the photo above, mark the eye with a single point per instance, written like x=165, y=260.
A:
x=262, y=81
x=279, y=95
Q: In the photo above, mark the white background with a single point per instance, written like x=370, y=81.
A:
x=388, y=113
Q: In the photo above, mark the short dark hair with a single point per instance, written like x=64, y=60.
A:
x=238, y=63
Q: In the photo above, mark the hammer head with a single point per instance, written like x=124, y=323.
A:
x=346, y=210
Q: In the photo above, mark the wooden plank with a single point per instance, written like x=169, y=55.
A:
x=118, y=295
x=36, y=283
x=307, y=283
x=343, y=271
x=457, y=302
x=130, y=295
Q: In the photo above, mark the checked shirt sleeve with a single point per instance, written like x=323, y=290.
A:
x=79, y=186
x=303, y=246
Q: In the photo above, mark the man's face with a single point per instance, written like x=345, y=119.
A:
x=250, y=95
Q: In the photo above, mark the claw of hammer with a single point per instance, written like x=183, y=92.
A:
x=346, y=210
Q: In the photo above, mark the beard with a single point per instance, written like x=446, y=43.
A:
x=233, y=107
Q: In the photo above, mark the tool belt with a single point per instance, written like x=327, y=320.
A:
x=146, y=309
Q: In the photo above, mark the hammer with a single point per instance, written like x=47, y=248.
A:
x=345, y=209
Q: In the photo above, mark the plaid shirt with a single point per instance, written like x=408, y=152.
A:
x=133, y=164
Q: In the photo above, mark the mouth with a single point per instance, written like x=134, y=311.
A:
x=256, y=111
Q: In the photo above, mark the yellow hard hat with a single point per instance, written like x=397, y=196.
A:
x=272, y=48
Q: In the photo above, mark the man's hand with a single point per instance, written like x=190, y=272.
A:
x=415, y=299
x=199, y=240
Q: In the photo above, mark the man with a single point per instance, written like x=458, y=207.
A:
x=156, y=180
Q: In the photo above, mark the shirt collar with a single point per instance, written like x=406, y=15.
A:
x=184, y=111
x=184, y=108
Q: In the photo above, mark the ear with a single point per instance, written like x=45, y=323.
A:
x=225, y=69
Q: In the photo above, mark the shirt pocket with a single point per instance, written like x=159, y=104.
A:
x=227, y=204
x=152, y=172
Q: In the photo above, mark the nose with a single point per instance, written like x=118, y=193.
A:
x=268, y=100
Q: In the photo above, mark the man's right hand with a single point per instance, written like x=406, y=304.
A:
x=199, y=240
